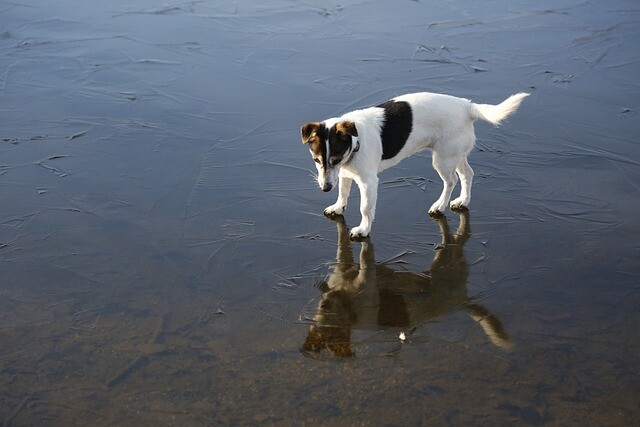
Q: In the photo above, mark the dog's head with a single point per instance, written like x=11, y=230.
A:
x=331, y=145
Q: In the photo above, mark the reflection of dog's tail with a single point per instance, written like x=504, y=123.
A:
x=491, y=325
x=497, y=113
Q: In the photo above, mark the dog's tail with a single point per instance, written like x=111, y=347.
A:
x=497, y=113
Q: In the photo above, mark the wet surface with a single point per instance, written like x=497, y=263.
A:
x=164, y=259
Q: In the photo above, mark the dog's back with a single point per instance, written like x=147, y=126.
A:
x=436, y=118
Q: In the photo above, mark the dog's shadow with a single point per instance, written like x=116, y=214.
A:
x=373, y=296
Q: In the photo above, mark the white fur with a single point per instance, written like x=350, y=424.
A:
x=441, y=123
x=328, y=175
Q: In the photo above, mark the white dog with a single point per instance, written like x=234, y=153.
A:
x=362, y=143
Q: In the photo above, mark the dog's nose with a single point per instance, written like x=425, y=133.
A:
x=327, y=187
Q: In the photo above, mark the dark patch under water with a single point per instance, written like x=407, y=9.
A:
x=164, y=260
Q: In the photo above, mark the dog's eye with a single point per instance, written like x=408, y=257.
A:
x=334, y=162
x=316, y=160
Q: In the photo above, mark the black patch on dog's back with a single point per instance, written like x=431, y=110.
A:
x=398, y=122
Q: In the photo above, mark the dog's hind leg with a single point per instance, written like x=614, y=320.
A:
x=466, y=179
x=344, y=188
x=446, y=168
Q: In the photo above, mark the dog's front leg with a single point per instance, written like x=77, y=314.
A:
x=368, y=197
x=344, y=188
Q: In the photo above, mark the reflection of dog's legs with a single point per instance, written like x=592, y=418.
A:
x=367, y=260
x=490, y=324
x=445, y=232
x=449, y=265
x=344, y=256
x=335, y=313
x=462, y=233
x=443, y=251
x=464, y=229
x=451, y=247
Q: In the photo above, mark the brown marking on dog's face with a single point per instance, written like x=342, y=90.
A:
x=340, y=141
x=348, y=128
x=309, y=130
x=328, y=147
x=315, y=134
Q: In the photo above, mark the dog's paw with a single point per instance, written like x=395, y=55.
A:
x=435, y=213
x=358, y=233
x=334, y=210
x=458, y=205
x=437, y=209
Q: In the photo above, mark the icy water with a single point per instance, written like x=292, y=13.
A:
x=163, y=255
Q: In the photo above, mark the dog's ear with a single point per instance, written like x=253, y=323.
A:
x=308, y=130
x=323, y=286
x=347, y=127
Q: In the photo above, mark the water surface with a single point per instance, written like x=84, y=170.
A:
x=164, y=260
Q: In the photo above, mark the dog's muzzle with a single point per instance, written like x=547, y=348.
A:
x=327, y=187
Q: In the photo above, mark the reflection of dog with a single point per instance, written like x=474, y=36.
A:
x=374, y=296
x=362, y=143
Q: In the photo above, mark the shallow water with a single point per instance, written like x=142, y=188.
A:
x=164, y=260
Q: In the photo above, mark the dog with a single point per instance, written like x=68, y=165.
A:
x=374, y=296
x=360, y=144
